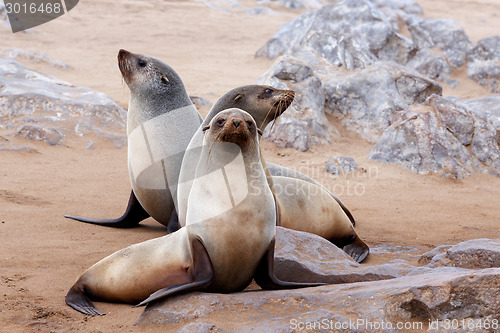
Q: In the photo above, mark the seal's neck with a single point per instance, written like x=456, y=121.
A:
x=143, y=108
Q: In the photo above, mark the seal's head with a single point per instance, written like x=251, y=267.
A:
x=264, y=103
x=233, y=126
x=149, y=78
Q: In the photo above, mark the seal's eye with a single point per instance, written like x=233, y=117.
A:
x=268, y=91
x=250, y=124
x=141, y=63
x=221, y=121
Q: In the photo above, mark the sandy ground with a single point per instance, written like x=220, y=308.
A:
x=43, y=253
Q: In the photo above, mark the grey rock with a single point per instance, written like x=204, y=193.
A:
x=289, y=133
x=431, y=64
x=34, y=56
x=445, y=34
x=41, y=133
x=487, y=108
x=197, y=328
x=352, y=33
x=396, y=10
x=483, y=63
x=416, y=141
x=427, y=256
x=456, y=119
x=304, y=123
x=486, y=144
x=365, y=100
x=39, y=106
x=473, y=254
x=296, y=4
x=407, y=6
x=445, y=138
x=4, y=146
x=305, y=257
x=340, y=164
x=456, y=295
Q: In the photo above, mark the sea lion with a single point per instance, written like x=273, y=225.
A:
x=228, y=238
x=160, y=123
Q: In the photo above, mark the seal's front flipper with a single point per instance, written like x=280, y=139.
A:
x=78, y=300
x=265, y=278
x=131, y=218
x=358, y=249
x=202, y=274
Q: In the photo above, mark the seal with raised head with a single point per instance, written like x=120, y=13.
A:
x=161, y=120
x=228, y=239
x=264, y=103
x=322, y=213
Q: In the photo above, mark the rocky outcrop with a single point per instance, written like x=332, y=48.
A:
x=41, y=107
x=304, y=122
x=366, y=100
x=464, y=287
x=303, y=257
x=476, y=253
x=348, y=60
x=440, y=137
x=34, y=57
x=484, y=63
x=444, y=34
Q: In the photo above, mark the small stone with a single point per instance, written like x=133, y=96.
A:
x=340, y=164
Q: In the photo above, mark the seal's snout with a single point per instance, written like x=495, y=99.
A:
x=283, y=101
x=124, y=57
x=236, y=122
x=123, y=53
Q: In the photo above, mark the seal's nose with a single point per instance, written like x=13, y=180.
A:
x=236, y=122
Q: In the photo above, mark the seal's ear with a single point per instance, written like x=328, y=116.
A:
x=259, y=131
x=205, y=128
x=238, y=97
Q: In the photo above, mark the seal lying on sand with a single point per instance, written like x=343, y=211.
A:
x=228, y=238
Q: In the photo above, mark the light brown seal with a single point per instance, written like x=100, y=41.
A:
x=228, y=240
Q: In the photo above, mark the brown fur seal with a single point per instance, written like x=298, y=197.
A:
x=265, y=104
x=228, y=240
x=160, y=123
x=330, y=219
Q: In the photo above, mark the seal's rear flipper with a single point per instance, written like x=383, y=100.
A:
x=358, y=250
x=77, y=299
x=265, y=278
x=131, y=218
x=202, y=274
